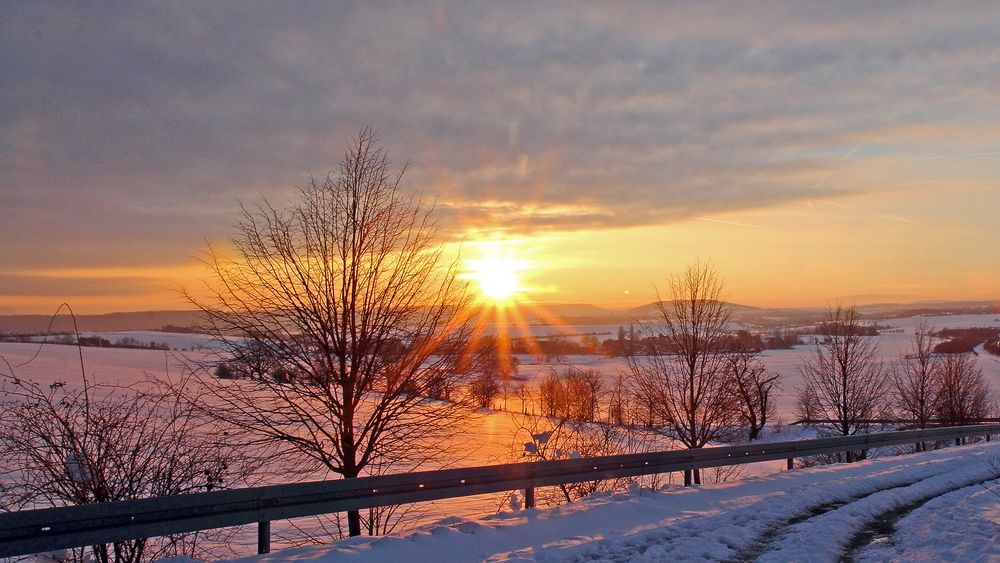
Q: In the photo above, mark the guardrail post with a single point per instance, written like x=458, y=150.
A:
x=687, y=477
x=791, y=463
x=529, y=497
x=264, y=536
x=987, y=437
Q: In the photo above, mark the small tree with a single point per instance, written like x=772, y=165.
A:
x=683, y=372
x=964, y=396
x=67, y=445
x=552, y=396
x=618, y=405
x=752, y=386
x=916, y=379
x=583, y=392
x=484, y=389
x=844, y=381
x=539, y=438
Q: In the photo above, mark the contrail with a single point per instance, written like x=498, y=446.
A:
x=734, y=223
x=874, y=214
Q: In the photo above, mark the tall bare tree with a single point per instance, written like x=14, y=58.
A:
x=347, y=291
x=917, y=380
x=964, y=395
x=844, y=378
x=682, y=372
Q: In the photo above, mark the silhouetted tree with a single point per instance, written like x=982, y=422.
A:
x=752, y=386
x=345, y=289
x=964, y=397
x=844, y=379
x=916, y=378
x=583, y=392
x=484, y=389
x=683, y=372
x=81, y=444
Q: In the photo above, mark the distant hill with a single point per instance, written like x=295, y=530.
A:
x=537, y=313
x=652, y=310
x=111, y=322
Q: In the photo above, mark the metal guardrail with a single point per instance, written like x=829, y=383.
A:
x=33, y=531
x=930, y=423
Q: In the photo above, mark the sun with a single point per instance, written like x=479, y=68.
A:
x=497, y=273
x=497, y=277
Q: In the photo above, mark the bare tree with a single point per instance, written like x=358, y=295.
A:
x=618, y=405
x=484, y=389
x=346, y=290
x=552, y=396
x=964, y=395
x=541, y=438
x=752, y=386
x=584, y=391
x=72, y=445
x=917, y=380
x=807, y=406
x=844, y=379
x=682, y=373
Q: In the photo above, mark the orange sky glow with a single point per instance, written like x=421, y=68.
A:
x=812, y=152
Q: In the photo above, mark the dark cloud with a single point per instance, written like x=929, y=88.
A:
x=128, y=132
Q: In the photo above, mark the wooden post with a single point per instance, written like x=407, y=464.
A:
x=687, y=477
x=791, y=463
x=529, y=497
x=264, y=536
x=987, y=437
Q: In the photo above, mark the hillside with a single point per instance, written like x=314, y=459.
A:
x=111, y=322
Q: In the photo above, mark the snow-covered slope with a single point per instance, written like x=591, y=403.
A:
x=818, y=514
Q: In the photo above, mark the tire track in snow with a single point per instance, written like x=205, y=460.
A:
x=882, y=530
x=710, y=536
x=773, y=535
x=830, y=536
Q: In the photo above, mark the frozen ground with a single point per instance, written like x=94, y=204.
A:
x=933, y=504
x=491, y=435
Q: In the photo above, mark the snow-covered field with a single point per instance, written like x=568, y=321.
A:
x=491, y=435
x=819, y=514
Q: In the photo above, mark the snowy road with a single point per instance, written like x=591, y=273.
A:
x=819, y=514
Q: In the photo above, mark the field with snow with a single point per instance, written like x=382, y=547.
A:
x=494, y=437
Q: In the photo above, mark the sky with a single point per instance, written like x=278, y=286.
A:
x=813, y=152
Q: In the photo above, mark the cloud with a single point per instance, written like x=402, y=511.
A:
x=75, y=286
x=129, y=132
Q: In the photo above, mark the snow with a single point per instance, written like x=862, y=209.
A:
x=722, y=519
x=761, y=517
x=962, y=525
